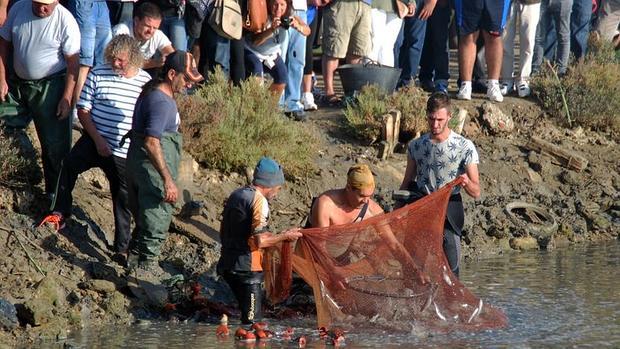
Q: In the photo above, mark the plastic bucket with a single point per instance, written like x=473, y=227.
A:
x=356, y=76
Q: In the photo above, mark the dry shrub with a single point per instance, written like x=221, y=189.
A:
x=364, y=114
x=411, y=101
x=13, y=166
x=591, y=90
x=228, y=128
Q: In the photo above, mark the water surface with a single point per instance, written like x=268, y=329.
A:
x=566, y=298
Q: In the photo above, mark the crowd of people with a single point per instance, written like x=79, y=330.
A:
x=116, y=66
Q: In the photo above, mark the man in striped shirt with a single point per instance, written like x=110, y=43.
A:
x=105, y=109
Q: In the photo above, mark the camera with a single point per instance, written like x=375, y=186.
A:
x=285, y=22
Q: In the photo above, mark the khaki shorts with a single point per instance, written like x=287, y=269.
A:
x=346, y=29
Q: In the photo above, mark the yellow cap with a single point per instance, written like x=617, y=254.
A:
x=360, y=177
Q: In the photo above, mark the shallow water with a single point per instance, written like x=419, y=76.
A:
x=557, y=299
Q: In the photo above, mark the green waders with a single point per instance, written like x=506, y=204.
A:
x=146, y=194
x=38, y=100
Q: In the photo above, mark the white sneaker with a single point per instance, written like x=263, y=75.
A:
x=464, y=92
x=308, y=101
x=505, y=88
x=524, y=89
x=494, y=93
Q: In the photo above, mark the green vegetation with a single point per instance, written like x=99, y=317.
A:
x=13, y=166
x=411, y=101
x=588, y=95
x=228, y=128
x=364, y=115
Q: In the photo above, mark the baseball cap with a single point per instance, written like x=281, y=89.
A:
x=46, y=2
x=183, y=62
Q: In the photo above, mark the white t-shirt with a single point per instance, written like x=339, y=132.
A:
x=111, y=100
x=39, y=44
x=439, y=163
x=157, y=42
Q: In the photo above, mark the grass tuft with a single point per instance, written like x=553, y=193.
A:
x=14, y=168
x=588, y=95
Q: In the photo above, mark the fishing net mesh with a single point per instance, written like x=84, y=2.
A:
x=389, y=269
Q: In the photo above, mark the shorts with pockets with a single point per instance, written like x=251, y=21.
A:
x=346, y=29
x=488, y=15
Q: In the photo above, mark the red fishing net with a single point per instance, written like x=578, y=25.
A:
x=389, y=270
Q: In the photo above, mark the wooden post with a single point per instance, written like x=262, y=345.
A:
x=387, y=136
x=397, y=116
x=558, y=155
x=461, y=117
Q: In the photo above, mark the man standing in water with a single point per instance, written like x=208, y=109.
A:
x=153, y=159
x=437, y=158
x=244, y=234
x=352, y=204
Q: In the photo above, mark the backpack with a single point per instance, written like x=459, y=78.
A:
x=226, y=19
x=256, y=17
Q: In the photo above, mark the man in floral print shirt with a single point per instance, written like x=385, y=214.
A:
x=435, y=159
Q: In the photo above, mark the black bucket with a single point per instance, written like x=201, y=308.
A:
x=356, y=76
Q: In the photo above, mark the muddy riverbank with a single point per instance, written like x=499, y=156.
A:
x=62, y=282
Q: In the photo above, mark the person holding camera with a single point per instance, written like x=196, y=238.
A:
x=263, y=50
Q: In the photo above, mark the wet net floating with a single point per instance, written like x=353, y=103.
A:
x=390, y=268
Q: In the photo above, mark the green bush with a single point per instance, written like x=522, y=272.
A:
x=13, y=166
x=228, y=128
x=589, y=92
x=411, y=101
x=364, y=114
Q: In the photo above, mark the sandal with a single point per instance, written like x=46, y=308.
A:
x=333, y=101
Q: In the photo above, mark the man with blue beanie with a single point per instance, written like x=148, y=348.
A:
x=245, y=234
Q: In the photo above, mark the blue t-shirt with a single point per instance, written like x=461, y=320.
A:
x=155, y=114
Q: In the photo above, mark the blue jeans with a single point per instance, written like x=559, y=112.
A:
x=120, y=11
x=580, y=27
x=258, y=68
x=435, y=55
x=214, y=50
x=408, y=54
x=174, y=28
x=294, y=52
x=93, y=19
x=553, y=13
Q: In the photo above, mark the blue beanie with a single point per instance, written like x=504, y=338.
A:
x=268, y=173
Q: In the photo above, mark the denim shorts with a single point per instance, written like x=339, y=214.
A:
x=255, y=67
x=488, y=15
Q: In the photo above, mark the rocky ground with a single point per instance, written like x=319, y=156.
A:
x=61, y=282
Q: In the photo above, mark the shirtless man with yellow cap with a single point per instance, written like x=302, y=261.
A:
x=352, y=203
